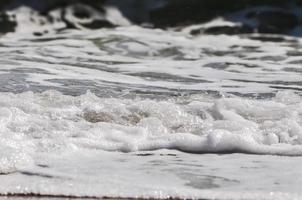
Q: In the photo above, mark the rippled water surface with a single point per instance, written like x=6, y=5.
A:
x=134, y=112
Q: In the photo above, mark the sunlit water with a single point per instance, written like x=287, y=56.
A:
x=133, y=112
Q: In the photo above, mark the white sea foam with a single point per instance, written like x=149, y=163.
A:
x=52, y=122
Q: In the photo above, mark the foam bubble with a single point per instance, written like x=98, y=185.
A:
x=12, y=158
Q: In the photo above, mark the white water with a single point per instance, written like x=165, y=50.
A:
x=132, y=112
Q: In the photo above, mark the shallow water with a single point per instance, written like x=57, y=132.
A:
x=134, y=112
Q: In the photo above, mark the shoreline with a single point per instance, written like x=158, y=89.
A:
x=71, y=197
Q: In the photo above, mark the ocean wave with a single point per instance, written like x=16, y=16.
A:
x=51, y=122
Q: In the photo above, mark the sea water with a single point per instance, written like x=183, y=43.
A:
x=138, y=112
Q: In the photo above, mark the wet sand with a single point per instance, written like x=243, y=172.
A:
x=50, y=197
